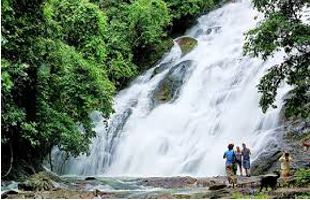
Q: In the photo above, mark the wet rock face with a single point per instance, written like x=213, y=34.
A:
x=269, y=156
x=169, y=88
x=287, y=138
x=160, y=68
x=187, y=44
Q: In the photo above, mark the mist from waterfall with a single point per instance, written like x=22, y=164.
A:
x=217, y=104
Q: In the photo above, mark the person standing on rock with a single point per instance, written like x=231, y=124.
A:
x=306, y=144
x=285, y=165
x=239, y=159
x=246, y=159
x=230, y=158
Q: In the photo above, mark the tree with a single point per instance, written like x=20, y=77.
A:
x=148, y=18
x=52, y=78
x=283, y=28
x=189, y=8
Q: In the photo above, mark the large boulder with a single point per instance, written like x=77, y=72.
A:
x=43, y=181
x=160, y=68
x=217, y=186
x=286, y=138
x=268, y=157
x=186, y=43
x=169, y=87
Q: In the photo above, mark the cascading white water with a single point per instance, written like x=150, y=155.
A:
x=217, y=104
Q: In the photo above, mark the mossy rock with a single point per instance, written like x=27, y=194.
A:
x=43, y=181
x=160, y=68
x=187, y=44
x=165, y=93
x=169, y=88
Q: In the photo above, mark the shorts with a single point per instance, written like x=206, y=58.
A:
x=239, y=162
x=246, y=164
x=230, y=174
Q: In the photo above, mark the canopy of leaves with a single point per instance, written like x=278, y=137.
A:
x=52, y=85
x=190, y=7
x=283, y=28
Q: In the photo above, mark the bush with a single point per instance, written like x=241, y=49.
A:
x=147, y=20
x=302, y=177
x=303, y=196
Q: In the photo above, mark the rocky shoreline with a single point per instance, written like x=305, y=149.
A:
x=46, y=185
x=150, y=187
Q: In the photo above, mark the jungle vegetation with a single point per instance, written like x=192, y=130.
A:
x=63, y=59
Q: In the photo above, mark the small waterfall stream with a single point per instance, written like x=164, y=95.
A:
x=214, y=102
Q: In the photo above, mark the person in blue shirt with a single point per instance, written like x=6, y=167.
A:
x=230, y=159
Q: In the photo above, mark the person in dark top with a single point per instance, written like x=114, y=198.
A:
x=230, y=159
x=246, y=159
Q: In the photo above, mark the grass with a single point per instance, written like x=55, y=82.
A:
x=256, y=196
x=303, y=196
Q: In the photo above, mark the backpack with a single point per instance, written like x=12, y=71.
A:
x=234, y=157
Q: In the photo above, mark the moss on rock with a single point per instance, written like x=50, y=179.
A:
x=43, y=180
x=165, y=93
x=187, y=44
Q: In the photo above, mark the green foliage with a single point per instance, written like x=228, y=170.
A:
x=69, y=88
x=302, y=177
x=81, y=24
x=148, y=18
x=303, y=196
x=53, y=75
x=256, y=196
x=283, y=29
x=63, y=59
x=138, y=29
x=180, y=9
x=12, y=116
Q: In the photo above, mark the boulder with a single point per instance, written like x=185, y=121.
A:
x=267, y=158
x=285, y=138
x=169, y=87
x=217, y=186
x=6, y=194
x=90, y=178
x=42, y=181
x=25, y=186
x=160, y=68
x=186, y=43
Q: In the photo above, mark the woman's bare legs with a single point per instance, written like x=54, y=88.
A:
x=240, y=168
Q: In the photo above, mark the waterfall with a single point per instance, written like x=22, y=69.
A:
x=213, y=102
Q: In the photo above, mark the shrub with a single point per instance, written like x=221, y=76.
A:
x=302, y=177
